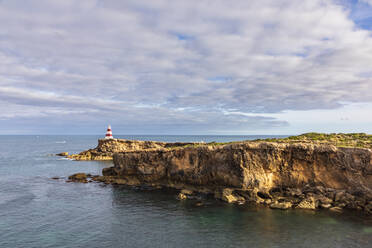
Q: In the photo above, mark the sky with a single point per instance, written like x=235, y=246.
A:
x=185, y=67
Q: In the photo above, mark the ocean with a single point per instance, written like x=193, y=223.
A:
x=37, y=211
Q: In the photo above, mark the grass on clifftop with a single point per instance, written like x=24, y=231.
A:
x=360, y=140
x=337, y=139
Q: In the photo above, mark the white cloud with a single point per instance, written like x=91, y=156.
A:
x=110, y=57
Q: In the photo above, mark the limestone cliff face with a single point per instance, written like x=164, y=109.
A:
x=262, y=171
x=107, y=147
x=247, y=165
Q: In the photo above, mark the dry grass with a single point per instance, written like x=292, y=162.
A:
x=338, y=139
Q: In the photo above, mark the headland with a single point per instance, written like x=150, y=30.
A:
x=310, y=171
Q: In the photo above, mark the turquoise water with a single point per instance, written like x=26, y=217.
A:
x=36, y=211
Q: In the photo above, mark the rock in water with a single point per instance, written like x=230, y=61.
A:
x=78, y=177
x=228, y=195
x=181, y=196
x=62, y=154
x=281, y=205
x=187, y=192
x=120, y=181
x=326, y=206
x=308, y=203
x=336, y=209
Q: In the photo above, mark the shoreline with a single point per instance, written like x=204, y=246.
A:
x=282, y=175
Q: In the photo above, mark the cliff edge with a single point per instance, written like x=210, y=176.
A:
x=309, y=171
x=107, y=147
x=281, y=175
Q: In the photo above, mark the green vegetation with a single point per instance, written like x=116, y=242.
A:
x=213, y=143
x=361, y=140
x=337, y=139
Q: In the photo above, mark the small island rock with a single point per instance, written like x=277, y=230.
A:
x=62, y=154
x=78, y=177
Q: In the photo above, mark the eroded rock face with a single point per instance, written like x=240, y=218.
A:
x=306, y=175
x=107, y=147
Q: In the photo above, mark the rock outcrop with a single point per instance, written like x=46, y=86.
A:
x=62, y=154
x=280, y=175
x=107, y=147
x=78, y=177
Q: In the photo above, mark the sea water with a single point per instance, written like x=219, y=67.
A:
x=37, y=211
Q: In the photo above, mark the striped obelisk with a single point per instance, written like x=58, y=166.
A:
x=108, y=133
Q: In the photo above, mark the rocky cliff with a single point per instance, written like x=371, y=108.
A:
x=107, y=147
x=281, y=175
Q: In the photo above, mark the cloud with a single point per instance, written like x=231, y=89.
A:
x=366, y=1
x=155, y=65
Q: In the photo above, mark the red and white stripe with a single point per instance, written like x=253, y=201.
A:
x=108, y=133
